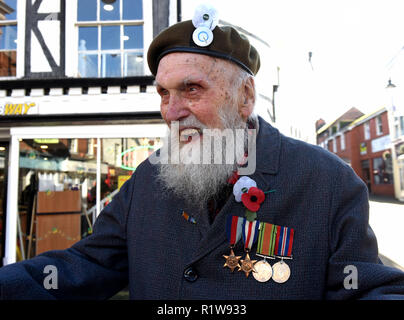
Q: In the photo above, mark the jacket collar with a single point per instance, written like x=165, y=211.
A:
x=268, y=147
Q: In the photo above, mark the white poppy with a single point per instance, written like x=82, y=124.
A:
x=242, y=185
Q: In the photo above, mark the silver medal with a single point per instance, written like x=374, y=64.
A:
x=281, y=272
x=263, y=271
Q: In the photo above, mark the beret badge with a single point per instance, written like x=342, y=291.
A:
x=204, y=35
x=205, y=20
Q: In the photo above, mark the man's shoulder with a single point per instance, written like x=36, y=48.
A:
x=302, y=155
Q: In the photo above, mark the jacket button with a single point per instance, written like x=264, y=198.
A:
x=190, y=274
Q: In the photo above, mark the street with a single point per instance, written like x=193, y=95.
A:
x=386, y=218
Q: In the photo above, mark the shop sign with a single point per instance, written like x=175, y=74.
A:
x=132, y=157
x=47, y=141
x=363, y=148
x=14, y=109
x=381, y=143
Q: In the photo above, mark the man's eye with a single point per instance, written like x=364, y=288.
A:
x=192, y=88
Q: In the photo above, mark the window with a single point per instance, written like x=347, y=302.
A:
x=366, y=128
x=396, y=128
x=402, y=125
x=342, y=141
x=58, y=181
x=379, y=125
x=74, y=145
x=110, y=38
x=383, y=169
x=8, y=38
x=90, y=147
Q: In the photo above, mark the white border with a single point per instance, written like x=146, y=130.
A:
x=12, y=203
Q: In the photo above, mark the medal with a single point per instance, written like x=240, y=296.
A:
x=247, y=265
x=265, y=249
x=281, y=272
x=263, y=271
x=233, y=232
x=283, y=250
x=232, y=261
x=249, y=234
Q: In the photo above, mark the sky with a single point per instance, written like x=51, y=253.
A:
x=356, y=47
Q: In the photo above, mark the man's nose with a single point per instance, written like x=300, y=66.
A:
x=177, y=109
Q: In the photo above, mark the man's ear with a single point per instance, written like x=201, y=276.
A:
x=247, y=102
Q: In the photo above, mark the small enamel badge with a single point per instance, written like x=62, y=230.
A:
x=205, y=20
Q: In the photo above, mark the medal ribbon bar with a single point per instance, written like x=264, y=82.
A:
x=250, y=233
x=284, y=242
x=233, y=229
x=266, y=240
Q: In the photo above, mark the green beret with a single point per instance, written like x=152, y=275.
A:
x=227, y=44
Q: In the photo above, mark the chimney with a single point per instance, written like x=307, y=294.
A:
x=319, y=123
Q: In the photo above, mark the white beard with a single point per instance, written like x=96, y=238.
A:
x=193, y=179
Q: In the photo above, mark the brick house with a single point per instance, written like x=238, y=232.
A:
x=364, y=143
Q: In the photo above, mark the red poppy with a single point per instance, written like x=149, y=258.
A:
x=253, y=198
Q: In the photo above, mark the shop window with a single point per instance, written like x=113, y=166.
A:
x=383, y=169
x=57, y=201
x=8, y=38
x=53, y=200
x=121, y=158
x=110, y=38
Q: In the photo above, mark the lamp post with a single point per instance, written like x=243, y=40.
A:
x=394, y=134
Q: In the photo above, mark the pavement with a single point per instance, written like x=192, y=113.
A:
x=386, y=218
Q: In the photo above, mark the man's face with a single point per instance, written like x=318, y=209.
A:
x=200, y=92
x=196, y=86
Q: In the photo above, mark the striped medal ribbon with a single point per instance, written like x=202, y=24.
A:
x=250, y=235
x=265, y=249
x=283, y=250
x=266, y=240
x=234, y=225
x=284, y=242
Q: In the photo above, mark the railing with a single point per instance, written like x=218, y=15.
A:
x=93, y=210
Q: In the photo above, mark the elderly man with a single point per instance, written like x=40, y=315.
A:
x=294, y=228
